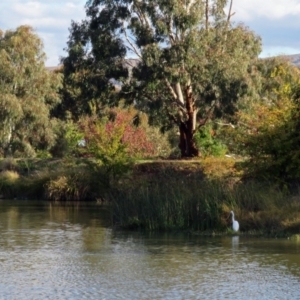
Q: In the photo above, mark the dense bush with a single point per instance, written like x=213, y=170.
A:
x=208, y=142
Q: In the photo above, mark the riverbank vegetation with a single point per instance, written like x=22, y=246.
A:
x=193, y=127
x=161, y=194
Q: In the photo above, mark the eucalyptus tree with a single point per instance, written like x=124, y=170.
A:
x=95, y=56
x=193, y=60
x=28, y=92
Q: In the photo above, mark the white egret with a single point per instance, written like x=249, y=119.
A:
x=235, y=224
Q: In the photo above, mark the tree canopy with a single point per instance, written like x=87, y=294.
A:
x=28, y=92
x=193, y=60
x=266, y=129
x=95, y=57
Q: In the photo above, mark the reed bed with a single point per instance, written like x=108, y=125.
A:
x=179, y=205
x=205, y=206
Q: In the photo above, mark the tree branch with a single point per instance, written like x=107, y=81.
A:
x=179, y=92
x=208, y=116
x=179, y=101
x=206, y=15
x=171, y=89
x=134, y=49
x=229, y=13
x=142, y=17
x=225, y=124
x=171, y=34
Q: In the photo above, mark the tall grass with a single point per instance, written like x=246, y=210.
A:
x=201, y=205
x=181, y=205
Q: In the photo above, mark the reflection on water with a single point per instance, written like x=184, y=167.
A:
x=68, y=252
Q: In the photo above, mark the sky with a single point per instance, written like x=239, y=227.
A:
x=277, y=22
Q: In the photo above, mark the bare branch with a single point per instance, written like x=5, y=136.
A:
x=178, y=91
x=208, y=116
x=206, y=14
x=139, y=16
x=133, y=48
x=142, y=17
x=179, y=102
x=171, y=89
x=225, y=124
x=195, y=118
x=171, y=34
x=147, y=21
x=229, y=13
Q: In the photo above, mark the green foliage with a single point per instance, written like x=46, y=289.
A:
x=68, y=139
x=267, y=130
x=208, y=142
x=28, y=92
x=95, y=56
x=191, y=61
x=43, y=154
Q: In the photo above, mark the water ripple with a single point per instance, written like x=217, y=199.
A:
x=52, y=257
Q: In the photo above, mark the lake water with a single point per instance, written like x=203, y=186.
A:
x=56, y=252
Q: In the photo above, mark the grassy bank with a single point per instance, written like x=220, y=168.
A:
x=50, y=179
x=161, y=195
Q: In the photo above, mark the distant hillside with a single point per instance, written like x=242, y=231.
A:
x=295, y=59
x=52, y=69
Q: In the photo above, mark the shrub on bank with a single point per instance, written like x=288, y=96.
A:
x=8, y=183
x=57, y=180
